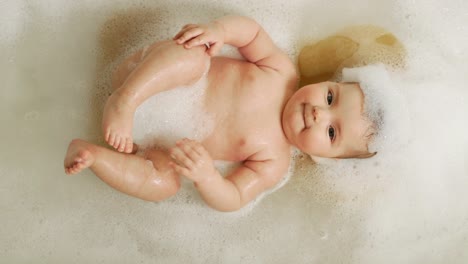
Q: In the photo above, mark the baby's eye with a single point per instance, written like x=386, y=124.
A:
x=329, y=97
x=331, y=133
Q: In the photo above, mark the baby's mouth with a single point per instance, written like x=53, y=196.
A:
x=307, y=114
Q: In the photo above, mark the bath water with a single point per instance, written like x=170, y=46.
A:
x=408, y=205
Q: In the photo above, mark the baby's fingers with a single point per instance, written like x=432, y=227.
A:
x=180, y=170
x=189, y=34
x=181, y=158
x=186, y=146
x=196, y=147
x=183, y=30
x=189, y=26
x=198, y=41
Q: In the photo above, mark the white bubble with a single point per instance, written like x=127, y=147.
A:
x=33, y=115
x=172, y=115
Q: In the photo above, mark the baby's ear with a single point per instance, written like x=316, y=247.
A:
x=366, y=155
x=322, y=160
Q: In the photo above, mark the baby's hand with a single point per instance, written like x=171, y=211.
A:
x=192, y=161
x=211, y=35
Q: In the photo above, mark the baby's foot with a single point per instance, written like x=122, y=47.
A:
x=78, y=157
x=117, y=123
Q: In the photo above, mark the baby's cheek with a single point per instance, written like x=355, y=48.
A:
x=318, y=144
x=308, y=141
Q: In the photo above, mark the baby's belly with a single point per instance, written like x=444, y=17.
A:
x=235, y=139
x=235, y=150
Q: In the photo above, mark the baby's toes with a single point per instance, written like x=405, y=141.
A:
x=73, y=169
x=80, y=166
x=107, y=136
x=122, y=145
x=69, y=167
x=116, y=142
x=129, y=146
x=111, y=139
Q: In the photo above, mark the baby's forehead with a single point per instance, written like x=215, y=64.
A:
x=357, y=138
x=355, y=126
x=359, y=97
x=351, y=86
x=350, y=95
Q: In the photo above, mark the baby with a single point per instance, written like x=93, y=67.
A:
x=259, y=115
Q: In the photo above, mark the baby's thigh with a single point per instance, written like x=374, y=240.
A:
x=125, y=68
x=130, y=63
x=159, y=157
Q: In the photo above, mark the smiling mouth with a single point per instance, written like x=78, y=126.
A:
x=306, y=115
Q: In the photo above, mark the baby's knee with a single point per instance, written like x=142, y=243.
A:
x=196, y=61
x=173, y=184
x=161, y=183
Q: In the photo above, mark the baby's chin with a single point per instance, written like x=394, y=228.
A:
x=289, y=133
x=292, y=123
x=286, y=126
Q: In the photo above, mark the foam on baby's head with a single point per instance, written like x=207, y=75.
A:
x=383, y=105
x=379, y=101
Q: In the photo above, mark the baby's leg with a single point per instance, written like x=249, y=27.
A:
x=163, y=66
x=120, y=75
x=148, y=179
x=128, y=65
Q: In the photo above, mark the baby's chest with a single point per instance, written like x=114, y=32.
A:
x=239, y=138
x=246, y=107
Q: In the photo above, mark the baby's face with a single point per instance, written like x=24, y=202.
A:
x=325, y=119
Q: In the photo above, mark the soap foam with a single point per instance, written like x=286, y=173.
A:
x=384, y=106
x=172, y=115
x=406, y=207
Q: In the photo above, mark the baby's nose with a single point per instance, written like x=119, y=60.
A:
x=317, y=113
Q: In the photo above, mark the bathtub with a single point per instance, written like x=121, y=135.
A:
x=411, y=207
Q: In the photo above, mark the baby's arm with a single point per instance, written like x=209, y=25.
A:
x=246, y=34
x=234, y=191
